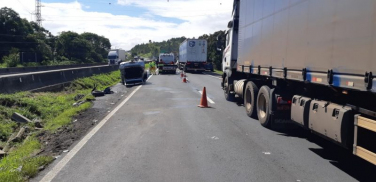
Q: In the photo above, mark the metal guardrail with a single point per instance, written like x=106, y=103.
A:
x=7, y=71
x=28, y=81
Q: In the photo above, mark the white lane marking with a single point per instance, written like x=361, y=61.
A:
x=59, y=166
x=211, y=101
x=213, y=76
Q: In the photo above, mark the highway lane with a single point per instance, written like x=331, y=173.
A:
x=161, y=135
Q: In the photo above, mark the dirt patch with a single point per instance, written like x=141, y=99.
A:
x=62, y=139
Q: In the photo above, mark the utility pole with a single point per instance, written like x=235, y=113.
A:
x=38, y=13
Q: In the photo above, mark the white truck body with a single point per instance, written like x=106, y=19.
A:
x=308, y=62
x=193, y=54
x=194, y=50
x=116, y=56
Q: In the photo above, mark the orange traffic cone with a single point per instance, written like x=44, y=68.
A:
x=181, y=75
x=204, y=101
x=184, y=80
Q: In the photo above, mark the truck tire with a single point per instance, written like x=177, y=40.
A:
x=226, y=87
x=263, y=104
x=250, y=99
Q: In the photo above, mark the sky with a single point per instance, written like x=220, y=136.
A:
x=129, y=22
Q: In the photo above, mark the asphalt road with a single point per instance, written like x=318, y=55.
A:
x=160, y=134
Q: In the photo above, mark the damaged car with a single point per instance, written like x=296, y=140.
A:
x=133, y=72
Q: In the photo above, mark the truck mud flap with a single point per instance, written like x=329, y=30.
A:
x=300, y=110
x=369, y=125
x=332, y=120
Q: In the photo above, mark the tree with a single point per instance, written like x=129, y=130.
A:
x=72, y=46
x=100, y=44
x=25, y=36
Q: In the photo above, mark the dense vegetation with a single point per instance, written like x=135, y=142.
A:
x=21, y=37
x=152, y=49
x=53, y=110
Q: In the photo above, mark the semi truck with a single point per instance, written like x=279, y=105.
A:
x=307, y=62
x=193, y=55
x=166, y=63
x=116, y=56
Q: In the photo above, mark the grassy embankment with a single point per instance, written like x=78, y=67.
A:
x=53, y=109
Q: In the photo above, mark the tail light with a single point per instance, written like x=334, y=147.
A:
x=188, y=63
x=172, y=62
x=280, y=100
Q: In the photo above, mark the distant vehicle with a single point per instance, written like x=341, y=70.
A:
x=116, y=56
x=133, y=72
x=309, y=65
x=209, y=66
x=166, y=63
x=193, y=55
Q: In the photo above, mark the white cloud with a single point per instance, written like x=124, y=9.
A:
x=199, y=17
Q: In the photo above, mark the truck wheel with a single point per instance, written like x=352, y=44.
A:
x=226, y=87
x=263, y=103
x=250, y=99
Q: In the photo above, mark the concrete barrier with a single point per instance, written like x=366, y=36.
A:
x=32, y=81
x=5, y=71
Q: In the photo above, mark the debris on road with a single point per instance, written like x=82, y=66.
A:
x=19, y=118
x=6, y=147
x=2, y=153
x=108, y=90
x=20, y=134
x=79, y=97
x=96, y=93
x=65, y=151
x=266, y=153
x=37, y=123
x=78, y=103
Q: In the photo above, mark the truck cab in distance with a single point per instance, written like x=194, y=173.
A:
x=116, y=56
x=166, y=63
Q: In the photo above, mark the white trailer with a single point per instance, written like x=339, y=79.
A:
x=310, y=62
x=193, y=55
x=116, y=56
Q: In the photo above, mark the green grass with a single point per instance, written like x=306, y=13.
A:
x=54, y=109
x=218, y=72
x=20, y=165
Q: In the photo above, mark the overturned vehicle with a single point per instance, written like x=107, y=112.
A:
x=133, y=72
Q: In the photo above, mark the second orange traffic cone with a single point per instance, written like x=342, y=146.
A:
x=184, y=80
x=204, y=100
